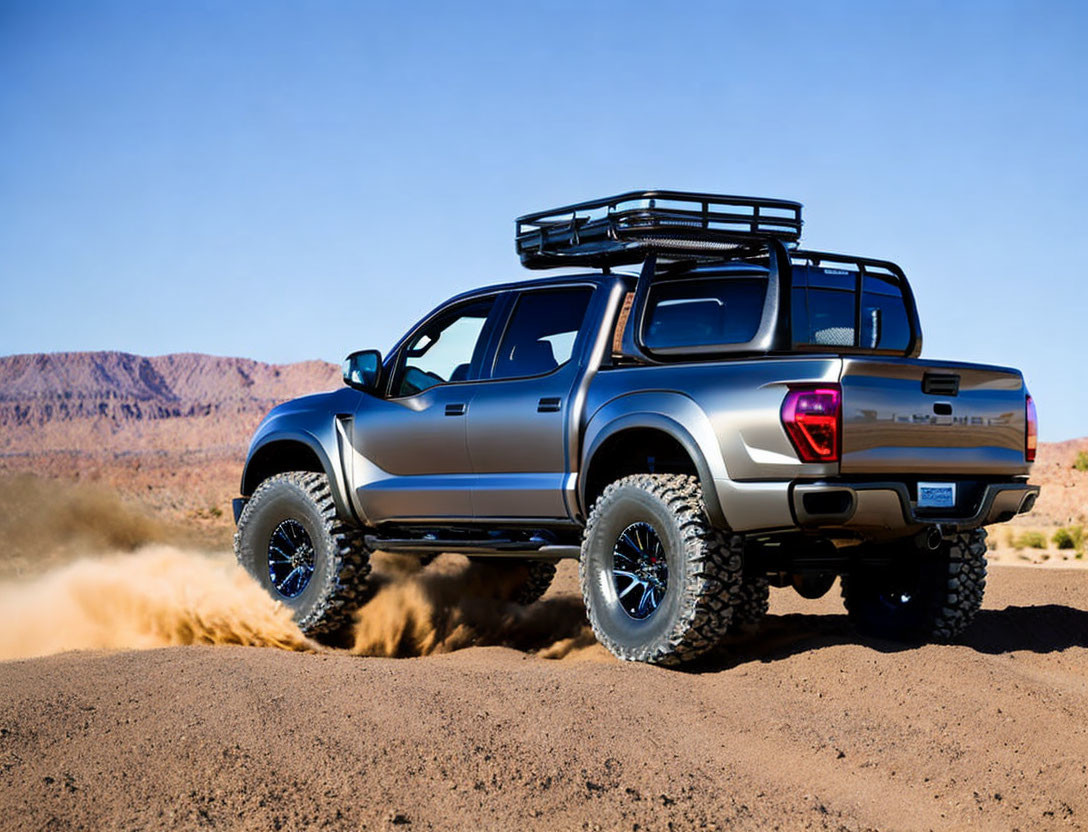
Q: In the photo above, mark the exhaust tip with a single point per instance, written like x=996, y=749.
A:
x=934, y=538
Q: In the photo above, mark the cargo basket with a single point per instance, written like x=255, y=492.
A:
x=625, y=229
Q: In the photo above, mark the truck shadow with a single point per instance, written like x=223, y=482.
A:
x=1046, y=628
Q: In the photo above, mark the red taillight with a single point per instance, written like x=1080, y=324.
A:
x=811, y=418
x=1032, y=440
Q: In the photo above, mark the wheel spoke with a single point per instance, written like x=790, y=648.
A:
x=646, y=604
x=632, y=543
x=281, y=556
x=624, y=557
x=634, y=582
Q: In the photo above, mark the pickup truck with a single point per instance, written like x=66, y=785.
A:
x=705, y=410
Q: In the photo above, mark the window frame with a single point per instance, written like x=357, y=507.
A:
x=703, y=278
x=859, y=268
x=513, y=300
x=487, y=333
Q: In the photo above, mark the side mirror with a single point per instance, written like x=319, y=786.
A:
x=363, y=369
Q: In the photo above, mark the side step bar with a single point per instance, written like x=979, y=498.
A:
x=536, y=548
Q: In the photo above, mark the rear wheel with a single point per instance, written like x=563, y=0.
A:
x=924, y=595
x=751, y=602
x=659, y=581
x=291, y=541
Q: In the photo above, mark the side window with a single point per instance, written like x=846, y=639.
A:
x=449, y=349
x=542, y=330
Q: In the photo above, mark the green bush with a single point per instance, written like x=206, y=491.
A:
x=1030, y=540
x=1081, y=462
x=1069, y=538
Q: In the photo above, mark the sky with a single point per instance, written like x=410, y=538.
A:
x=287, y=181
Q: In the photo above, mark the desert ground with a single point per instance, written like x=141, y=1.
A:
x=147, y=683
x=525, y=723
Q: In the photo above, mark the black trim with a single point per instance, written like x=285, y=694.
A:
x=624, y=229
x=914, y=345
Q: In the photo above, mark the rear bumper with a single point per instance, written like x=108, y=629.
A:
x=872, y=507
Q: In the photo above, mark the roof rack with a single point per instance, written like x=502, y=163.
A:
x=626, y=228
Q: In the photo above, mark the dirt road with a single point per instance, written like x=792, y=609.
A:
x=803, y=726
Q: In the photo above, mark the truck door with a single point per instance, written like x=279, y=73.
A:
x=412, y=460
x=518, y=420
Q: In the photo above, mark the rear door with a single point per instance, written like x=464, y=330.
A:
x=927, y=417
x=518, y=427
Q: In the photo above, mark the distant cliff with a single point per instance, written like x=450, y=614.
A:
x=114, y=402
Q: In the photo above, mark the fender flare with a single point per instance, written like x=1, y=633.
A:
x=314, y=444
x=671, y=426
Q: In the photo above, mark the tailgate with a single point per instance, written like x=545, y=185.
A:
x=903, y=416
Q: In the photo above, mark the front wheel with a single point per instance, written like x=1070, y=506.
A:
x=660, y=583
x=924, y=594
x=290, y=540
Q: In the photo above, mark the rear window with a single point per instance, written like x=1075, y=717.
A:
x=825, y=311
x=704, y=311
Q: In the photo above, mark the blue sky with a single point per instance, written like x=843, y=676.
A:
x=296, y=180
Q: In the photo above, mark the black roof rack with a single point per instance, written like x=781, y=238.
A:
x=626, y=228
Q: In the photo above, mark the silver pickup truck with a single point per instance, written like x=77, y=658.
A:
x=732, y=412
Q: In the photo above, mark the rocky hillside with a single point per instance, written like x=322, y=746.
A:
x=91, y=402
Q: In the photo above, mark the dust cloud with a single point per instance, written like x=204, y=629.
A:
x=81, y=569
x=157, y=597
x=44, y=523
x=162, y=596
x=453, y=604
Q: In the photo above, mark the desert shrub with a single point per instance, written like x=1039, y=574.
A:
x=1081, y=462
x=1063, y=539
x=1069, y=538
x=1030, y=540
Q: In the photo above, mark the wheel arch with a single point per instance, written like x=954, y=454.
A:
x=280, y=452
x=651, y=433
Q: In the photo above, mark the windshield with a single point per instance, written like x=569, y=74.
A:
x=704, y=311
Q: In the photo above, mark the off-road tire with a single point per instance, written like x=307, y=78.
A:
x=946, y=587
x=337, y=586
x=528, y=579
x=541, y=574
x=751, y=602
x=704, y=570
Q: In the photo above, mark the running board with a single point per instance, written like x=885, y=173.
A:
x=537, y=549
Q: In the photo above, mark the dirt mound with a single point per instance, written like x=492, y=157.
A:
x=802, y=726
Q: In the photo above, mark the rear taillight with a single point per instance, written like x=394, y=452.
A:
x=811, y=418
x=1032, y=439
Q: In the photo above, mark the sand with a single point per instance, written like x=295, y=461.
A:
x=801, y=726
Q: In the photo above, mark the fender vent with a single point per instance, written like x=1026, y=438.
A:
x=940, y=384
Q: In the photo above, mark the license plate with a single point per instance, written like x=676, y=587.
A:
x=936, y=495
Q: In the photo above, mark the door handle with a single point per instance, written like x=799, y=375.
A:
x=549, y=404
x=456, y=409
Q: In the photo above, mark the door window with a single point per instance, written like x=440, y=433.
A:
x=449, y=349
x=542, y=331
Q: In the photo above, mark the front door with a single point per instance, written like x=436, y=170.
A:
x=411, y=461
